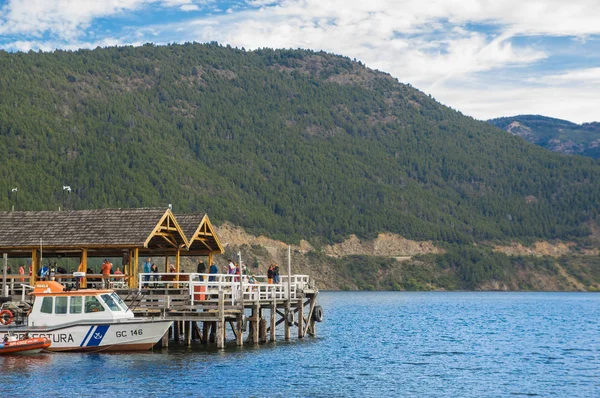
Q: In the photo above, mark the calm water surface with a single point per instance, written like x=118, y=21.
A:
x=370, y=344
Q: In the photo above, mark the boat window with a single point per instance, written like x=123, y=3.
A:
x=92, y=304
x=75, y=305
x=60, y=305
x=119, y=301
x=47, y=305
x=112, y=304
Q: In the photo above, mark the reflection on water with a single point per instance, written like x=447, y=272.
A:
x=370, y=344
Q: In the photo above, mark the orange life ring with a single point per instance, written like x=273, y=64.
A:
x=6, y=317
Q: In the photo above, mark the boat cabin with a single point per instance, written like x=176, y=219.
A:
x=55, y=305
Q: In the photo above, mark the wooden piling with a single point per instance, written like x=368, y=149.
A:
x=285, y=321
x=221, y=322
x=262, y=330
x=239, y=337
x=300, y=307
x=205, y=332
x=176, y=330
x=273, y=320
x=255, y=320
x=165, y=339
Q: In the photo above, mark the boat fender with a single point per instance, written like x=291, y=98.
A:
x=290, y=318
x=6, y=317
x=318, y=313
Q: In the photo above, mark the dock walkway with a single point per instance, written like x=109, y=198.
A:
x=218, y=300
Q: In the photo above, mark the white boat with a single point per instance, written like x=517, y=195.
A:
x=85, y=320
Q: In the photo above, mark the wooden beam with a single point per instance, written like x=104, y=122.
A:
x=134, y=279
x=84, y=264
x=34, y=267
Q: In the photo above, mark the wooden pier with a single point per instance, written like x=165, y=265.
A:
x=203, y=307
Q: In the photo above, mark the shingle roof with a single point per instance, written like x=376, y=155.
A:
x=78, y=228
x=189, y=223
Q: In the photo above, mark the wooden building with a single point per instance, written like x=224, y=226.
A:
x=130, y=234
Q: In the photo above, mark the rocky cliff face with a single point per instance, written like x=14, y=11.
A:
x=343, y=265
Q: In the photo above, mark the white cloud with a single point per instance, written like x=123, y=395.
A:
x=575, y=104
x=189, y=7
x=579, y=77
x=65, y=19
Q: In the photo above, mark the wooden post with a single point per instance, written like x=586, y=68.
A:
x=166, y=263
x=176, y=330
x=34, y=267
x=205, y=332
x=255, y=320
x=130, y=268
x=165, y=339
x=285, y=321
x=273, y=320
x=84, y=264
x=262, y=327
x=239, y=338
x=188, y=334
x=134, y=272
x=4, y=271
x=300, y=307
x=221, y=322
x=289, y=295
x=177, y=264
x=312, y=330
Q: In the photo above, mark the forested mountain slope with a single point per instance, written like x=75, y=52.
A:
x=291, y=144
x=554, y=134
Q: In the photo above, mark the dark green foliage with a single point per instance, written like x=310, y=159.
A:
x=291, y=144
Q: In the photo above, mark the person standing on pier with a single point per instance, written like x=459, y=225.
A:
x=201, y=269
x=154, y=270
x=270, y=274
x=147, y=266
x=106, y=267
x=275, y=273
x=22, y=272
x=213, y=271
x=231, y=268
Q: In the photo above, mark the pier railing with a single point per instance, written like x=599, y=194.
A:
x=205, y=288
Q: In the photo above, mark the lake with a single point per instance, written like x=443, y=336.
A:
x=375, y=344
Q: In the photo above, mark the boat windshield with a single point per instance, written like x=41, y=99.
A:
x=116, y=297
x=110, y=301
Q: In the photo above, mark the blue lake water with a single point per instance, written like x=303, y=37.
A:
x=376, y=344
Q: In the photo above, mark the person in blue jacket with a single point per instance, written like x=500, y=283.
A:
x=147, y=269
x=213, y=270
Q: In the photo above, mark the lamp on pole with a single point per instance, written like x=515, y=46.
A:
x=66, y=188
x=15, y=191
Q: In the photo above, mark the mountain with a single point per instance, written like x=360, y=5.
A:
x=554, y=134
x=290, y=144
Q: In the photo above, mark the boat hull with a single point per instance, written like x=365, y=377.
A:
x=134, y=335
x=24, y=347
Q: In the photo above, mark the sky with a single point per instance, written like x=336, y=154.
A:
x=485, y=58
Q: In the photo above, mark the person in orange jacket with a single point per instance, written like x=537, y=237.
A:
x=106, y=267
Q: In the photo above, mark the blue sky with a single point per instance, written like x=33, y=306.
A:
x=485, y=58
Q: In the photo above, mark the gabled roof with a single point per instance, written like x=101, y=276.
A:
x=87, y=228
x=200, y=233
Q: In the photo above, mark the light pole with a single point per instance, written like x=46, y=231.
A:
x=15, y=191
x=66, y=188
